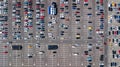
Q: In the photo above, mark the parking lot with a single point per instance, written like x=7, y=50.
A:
x=53, y=33
x=113, y=32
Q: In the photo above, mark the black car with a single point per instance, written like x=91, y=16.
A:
x=89, y=37
x=78, y=8
x=89, y=8
x=77, y=19
x=86, y=52
x=54, y=4
x=78, y=16
x=110, y=9
x=89, y=21
x=16, y=47
x=52, y=47
x=66, y=7
x=74, y=4
x=74, y=0
x=101, y=65
x=101, y=57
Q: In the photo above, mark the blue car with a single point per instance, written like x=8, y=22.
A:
x=118, y=32
x=74, y=8
x=101, y=26
x=89, y=59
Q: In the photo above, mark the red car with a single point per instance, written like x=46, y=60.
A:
x=105, y=43
x=119, y=8
x=5, y=46
x=5, y=32
x=97, y=29
x=18, y=4
x=5, y=24
x=115, y=32
x=25, y=12
x=85, y=0
x=102, y=35
x=42, y=10
x=30, y=26
x=119, y=51
x=37, y=6
x=67, y=19
x=102, y=15
x=14, y=19
x=26, y=20
x=42, y=17
x=109, y=40
x=61, y=11
x=101, y=49
x=5, y=52
x=29, y=6
x=101, y=1
x=77, y=12
x=62, y=5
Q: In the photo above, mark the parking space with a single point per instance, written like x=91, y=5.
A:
x=28, y=56
x=16, y=55
x=4, y=55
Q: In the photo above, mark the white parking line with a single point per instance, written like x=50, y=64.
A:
x=9, y=64
x=82, y=64
x=58, y=64
x=22, y=64
x=69, y=64
x=46, y=64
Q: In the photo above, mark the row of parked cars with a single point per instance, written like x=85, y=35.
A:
x=113, y=32
x=3, y=20
x=100, y=13
x=77, y=21
x=40, y=19
x=16, y=20
x=28, y=19
x=4, y=7
x=64, y=17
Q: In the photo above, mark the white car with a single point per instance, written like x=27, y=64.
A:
x=37, y=2
x=25, y=6
x=13, y=15
x=62, y=16
x=75, y=45
x=17, y=16
x=29, y=20
x=42, y=14
x=50, y=34
x=17, y=20
x=37, y=15
x=37, y=10
x=75, y=54
x=41, y=0
x=13, y=10
x=78, y=1
x=29, y=12
x=41, y=52
x=53, y=20
x=66, y=2
x=26, y=29
x=13, y=1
